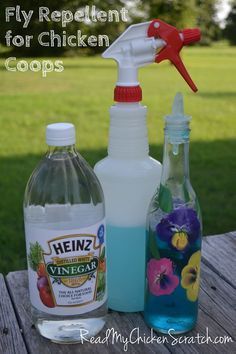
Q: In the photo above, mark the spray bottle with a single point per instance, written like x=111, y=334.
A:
x=128, y=174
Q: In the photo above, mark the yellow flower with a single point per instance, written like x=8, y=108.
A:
x=190, y=276
x=179, y=240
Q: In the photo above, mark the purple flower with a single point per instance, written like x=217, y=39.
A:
x=179, y=229
x=161, y=279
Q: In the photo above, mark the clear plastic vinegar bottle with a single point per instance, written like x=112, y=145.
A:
x=174, y=236
x=65, y=238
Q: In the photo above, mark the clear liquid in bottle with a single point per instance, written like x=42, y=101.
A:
x=66, y=242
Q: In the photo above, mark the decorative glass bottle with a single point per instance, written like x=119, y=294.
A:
x=174, y=235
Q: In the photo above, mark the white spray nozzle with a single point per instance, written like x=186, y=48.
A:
x=177, y=117
x=132, y=50
x=137, y=47
x=177, y=124
x=178, y=105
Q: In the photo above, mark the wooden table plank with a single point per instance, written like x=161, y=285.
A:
x=11, y=340
x=219, y=253
x=217, y=312
x=121, y=322
x=214, y=330
x=218, y=299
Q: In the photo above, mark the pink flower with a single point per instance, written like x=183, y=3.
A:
x=161, y=279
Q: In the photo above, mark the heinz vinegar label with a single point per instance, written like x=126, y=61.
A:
x=67, y=269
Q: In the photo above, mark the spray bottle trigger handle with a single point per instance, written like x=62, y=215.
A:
x=168, y=53
x=174, y=44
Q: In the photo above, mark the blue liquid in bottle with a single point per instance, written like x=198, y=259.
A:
x=174, y=236
x=126, y=268
x=173, y=311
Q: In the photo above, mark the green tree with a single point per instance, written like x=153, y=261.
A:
x=206, y=20
x=186, y=13
x=179, y=13
x=230, y=29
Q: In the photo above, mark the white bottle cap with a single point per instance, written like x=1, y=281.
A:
x=60, y=134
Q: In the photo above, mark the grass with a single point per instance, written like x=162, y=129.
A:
x=82, y=94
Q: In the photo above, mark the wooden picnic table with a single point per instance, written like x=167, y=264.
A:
x=216, y=321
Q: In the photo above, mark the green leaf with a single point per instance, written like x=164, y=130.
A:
x=165, y=199
x=153, y=246
x=102, y=256
x=101, y=282
x=35, y=255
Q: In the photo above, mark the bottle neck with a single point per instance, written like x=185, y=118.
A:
x=61, y=152
x=175, y=170
x=128, y=138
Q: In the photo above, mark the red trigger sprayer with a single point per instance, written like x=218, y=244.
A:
x=175, y=40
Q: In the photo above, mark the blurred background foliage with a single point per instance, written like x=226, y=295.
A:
x=180, y=13
x=230, y=29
